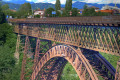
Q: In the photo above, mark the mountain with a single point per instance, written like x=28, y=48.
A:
x=77, y=4
x=34, y=5
x=18, y=1
x=42, y=5
x=80, y=5
x=12, y=5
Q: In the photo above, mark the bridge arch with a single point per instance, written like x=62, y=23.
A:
x=73, y=56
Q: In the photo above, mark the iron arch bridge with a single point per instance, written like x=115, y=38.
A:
x=75, y=57
x=89, y=34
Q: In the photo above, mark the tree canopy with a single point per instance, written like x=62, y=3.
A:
x=68, y=8
x=74, y=12
x=48, y=12
x=58, y=5
x=68, y=5
x=2, y=16
x=25, y=10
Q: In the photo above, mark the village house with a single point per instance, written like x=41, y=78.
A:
x=39, y=12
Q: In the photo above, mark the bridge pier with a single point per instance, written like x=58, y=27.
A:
x=27, y=54
x=16, y=54
x=117, y=75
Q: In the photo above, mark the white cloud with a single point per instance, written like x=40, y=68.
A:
x=49, y=1
x=64, y=1
x=88, y=1
x=29, y=0
x=102, y=1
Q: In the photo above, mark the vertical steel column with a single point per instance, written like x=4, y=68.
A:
x=37, y=51
x=24, y=58
x=117, y=75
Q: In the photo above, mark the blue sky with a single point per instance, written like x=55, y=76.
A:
x=63, y=1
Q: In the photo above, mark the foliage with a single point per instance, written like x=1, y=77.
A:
x=68, y=8
x=74, y=12
x=58, y=5
x=25, y=10
x=68, y=5
x=58, y=14
x=48, y=12
x=102, y=14
x=7, y=11
x=2, y=17
x=85, y=6
x=5, y=7
x=91, y=12
x=111, y=58
x=7, y=49
x=37, y=16
x=6, y=61
x=69, y=73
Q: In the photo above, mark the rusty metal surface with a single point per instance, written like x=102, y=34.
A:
x=27, y=54
x=49, y=67
x=75, y=57
x=117, y=75
x=100, y=64
x=98, y=38
x=52, y=69
x=93, y=20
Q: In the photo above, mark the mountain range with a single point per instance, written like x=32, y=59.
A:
x=78, y=4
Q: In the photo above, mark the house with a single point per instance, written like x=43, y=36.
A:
x=106, y=7
x=106, y=11
x=39, y=12
x=12, y=10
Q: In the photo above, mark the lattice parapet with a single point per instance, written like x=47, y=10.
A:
x=98, y=38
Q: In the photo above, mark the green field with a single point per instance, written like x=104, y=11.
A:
x=69, y=73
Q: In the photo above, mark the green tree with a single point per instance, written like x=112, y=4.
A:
x=89, y=12
x=48, y=12
x=5, y=7
x=74, y=12
x=85, y=6
x=58, y=5
x=68, y=8
x=7, y=49
x=58, y=8
x=2, y=16
x=68, y=5
x=7, y=11
x=37, y=16
x=25, y=10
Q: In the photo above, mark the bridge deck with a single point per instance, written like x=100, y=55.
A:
x=93, y=20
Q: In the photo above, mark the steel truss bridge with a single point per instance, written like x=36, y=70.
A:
x=81, y=38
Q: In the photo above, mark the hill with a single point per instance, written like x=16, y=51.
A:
x=15, y=6
x=77, y=4
x=80, y=5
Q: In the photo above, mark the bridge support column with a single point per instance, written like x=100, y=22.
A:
x=16, y=54
x=37, y=51
x=26, y=51
x=117, y=75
